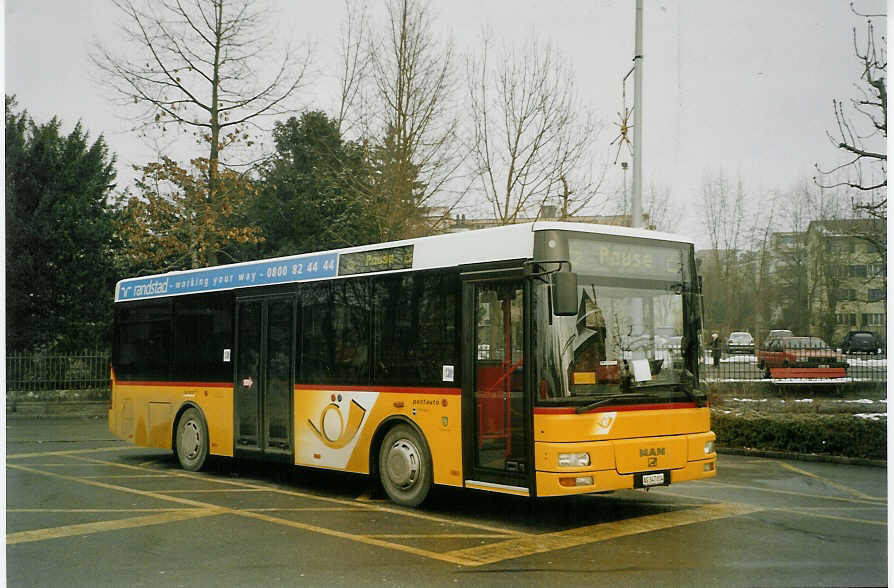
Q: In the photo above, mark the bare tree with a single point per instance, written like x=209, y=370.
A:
x=354, y=65
x=723, y=209
x=410, y=92
x=861, y=133
x=662, y=214
x=197, y=64
x=724, y=212
x=531, y=139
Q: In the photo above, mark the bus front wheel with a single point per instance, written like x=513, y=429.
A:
x=192, y=440
x=405, y=466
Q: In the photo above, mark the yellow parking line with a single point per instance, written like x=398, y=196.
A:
x=437, y=536
x=77, y=510
x=62, y=465
x=372, y=507
x=103, y=526
x=216, y=490
x=830, y=483
x=203, y=508
x=310, y=509
x=98, y=484
x=525, y=546
x=127, y=476
x=833, y=517
x=806, y=511
x=71, y=452
x=519, y=545
x=848, y=508
x=790, y=493
x=352, y=537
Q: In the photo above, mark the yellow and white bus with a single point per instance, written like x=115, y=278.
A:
x=541, y=359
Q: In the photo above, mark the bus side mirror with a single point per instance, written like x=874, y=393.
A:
x=564, y=289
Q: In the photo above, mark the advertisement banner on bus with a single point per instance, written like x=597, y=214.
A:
x=263, y=273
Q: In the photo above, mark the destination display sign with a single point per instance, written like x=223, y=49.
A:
x=298, y=268
x=603, y=258
x=377, y=260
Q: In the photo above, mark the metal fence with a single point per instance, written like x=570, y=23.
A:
x=816, y=365
x=39, y=373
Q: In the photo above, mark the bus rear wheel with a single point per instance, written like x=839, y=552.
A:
x=405, y=466
x=192, y=440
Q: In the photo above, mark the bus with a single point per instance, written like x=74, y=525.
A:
x=540, y=359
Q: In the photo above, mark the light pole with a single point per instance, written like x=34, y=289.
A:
x=626, y=196
x=637, y=196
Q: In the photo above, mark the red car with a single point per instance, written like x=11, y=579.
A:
x=799, y=352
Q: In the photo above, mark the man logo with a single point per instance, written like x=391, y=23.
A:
x=652, y=452
x=332, y=431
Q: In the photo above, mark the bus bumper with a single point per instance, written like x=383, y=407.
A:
x=616, y=465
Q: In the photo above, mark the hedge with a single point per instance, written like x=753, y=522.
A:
x=842, y=435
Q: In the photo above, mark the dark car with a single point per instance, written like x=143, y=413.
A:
x=740, y=342
x=860, y=342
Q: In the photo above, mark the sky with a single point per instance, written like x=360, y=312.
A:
x=742, y=88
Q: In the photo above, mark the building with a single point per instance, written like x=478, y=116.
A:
x=846, y=277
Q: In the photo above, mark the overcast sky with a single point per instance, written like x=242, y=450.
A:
x=742, y=87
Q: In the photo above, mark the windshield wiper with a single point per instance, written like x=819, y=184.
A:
x=698, y=400
x=677, y=386
x=607, y=399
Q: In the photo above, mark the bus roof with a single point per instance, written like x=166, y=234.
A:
x=448, y=250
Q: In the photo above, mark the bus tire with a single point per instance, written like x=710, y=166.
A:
x=405, y=466
x=191, y=440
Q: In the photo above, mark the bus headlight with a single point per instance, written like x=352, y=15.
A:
x=709, y=447
x=574, y=460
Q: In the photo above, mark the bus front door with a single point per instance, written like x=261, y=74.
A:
x=498, y=423
x=264, y=378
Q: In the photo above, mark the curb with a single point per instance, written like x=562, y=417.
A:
x=31, y=409
x=814, y=457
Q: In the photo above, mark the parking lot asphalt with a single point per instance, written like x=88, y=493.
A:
x=86, y=509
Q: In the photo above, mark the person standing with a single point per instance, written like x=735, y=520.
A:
x=715, y=348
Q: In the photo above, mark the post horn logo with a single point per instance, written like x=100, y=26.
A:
x=332, y=430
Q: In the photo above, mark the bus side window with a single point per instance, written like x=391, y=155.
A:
x=414, y=329
x=334, y=337
x=144, y=342
x=316, y=348
x=350, y=325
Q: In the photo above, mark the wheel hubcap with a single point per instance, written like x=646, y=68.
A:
x=402, y=464
x=190, y=440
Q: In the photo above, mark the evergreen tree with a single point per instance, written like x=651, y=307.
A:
x=315, y=190
x=59, y=236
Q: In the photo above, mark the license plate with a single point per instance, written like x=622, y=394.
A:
x=653, y=479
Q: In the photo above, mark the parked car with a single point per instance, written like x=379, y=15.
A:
x=806, y=352
x=775, y=334
x=861, y=342
x=740, y=342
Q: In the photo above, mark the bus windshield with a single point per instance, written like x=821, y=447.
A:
x=635, y=336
